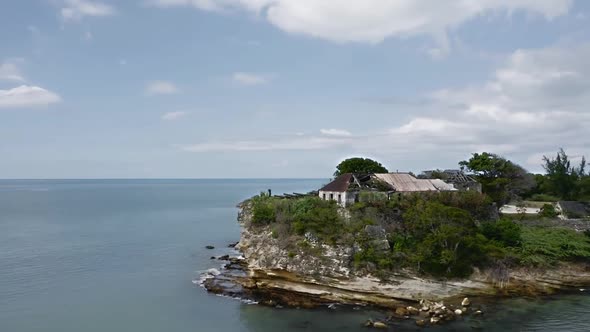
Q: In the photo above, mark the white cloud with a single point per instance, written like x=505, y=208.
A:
x=174, y=115
x=372, y=21
x=536, y=101
x=27, y=96
x=10, y=72
x=335, y=132
x=250, y=78
x=75, y=10
x=284, y=144
x=161, y=88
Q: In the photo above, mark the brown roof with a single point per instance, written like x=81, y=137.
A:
x=340, y=184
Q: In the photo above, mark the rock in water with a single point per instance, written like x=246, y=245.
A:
x=379, y=325
x=458, y=312
x=401, y=311
x=368, y=323
x=421, y=322
x=412, y=310
x=209, y=247
x=466, y=302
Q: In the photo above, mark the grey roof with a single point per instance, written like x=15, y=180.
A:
x=404, y=182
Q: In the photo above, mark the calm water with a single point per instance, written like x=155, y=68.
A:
x=120, y=255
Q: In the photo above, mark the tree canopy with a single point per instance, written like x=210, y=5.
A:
x=501, y=179
x=563, y=179
x=359, y=165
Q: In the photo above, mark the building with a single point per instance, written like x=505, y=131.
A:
x=345, y=188
x=338, y=190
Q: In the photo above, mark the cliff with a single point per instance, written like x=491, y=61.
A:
x=278, y=273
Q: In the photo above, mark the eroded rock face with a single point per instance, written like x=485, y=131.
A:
x=316, y=274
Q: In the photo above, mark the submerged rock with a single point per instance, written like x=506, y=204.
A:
x=209, y=247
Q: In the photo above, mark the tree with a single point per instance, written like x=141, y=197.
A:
x=501, y=179
x=563, y=179
x=359, y=165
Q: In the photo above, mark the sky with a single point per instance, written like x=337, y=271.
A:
x=287, y=88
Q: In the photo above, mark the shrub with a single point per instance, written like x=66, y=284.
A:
x=545, y=246
x=548, y=211
x=504, y=231
x=263, y=210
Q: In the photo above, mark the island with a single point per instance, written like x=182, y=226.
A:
x=420, y=246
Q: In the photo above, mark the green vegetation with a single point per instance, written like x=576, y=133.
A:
x=548, y=211
x=359, y=165
x=546, y=246
x=501, y=179
x=441, y=234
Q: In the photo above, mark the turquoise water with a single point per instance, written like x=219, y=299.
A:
x=121, y=255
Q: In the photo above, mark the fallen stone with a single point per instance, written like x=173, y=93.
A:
x=379, y=325
x=412, y=310
x=401, y=311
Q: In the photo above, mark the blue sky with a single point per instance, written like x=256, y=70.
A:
x=287, y=88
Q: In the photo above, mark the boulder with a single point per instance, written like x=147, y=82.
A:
x=379, y=325
x=478, y=312
x=458, y=312
x=412, y=310
x=401, y=311
x=434, y=320
x=209, y=247
x=466, y=302
x=421, y=322
x=223, y=258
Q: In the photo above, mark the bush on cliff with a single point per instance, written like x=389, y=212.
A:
x=445, y=239
x=504, y=231
x=543, y=246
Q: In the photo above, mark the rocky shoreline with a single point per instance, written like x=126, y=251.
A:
x=269, y=273
x=426, y=301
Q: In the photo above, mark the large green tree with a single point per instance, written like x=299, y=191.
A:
x=563, y=179
x=501, y=179
x=359, y=165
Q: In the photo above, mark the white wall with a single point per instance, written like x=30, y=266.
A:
x=325, y=195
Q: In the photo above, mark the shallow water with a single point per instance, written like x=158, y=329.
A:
x=121, y=255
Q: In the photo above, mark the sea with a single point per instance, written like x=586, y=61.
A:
x=127, y=255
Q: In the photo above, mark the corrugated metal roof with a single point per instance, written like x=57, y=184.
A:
x=340, y=184
x=404, y=182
